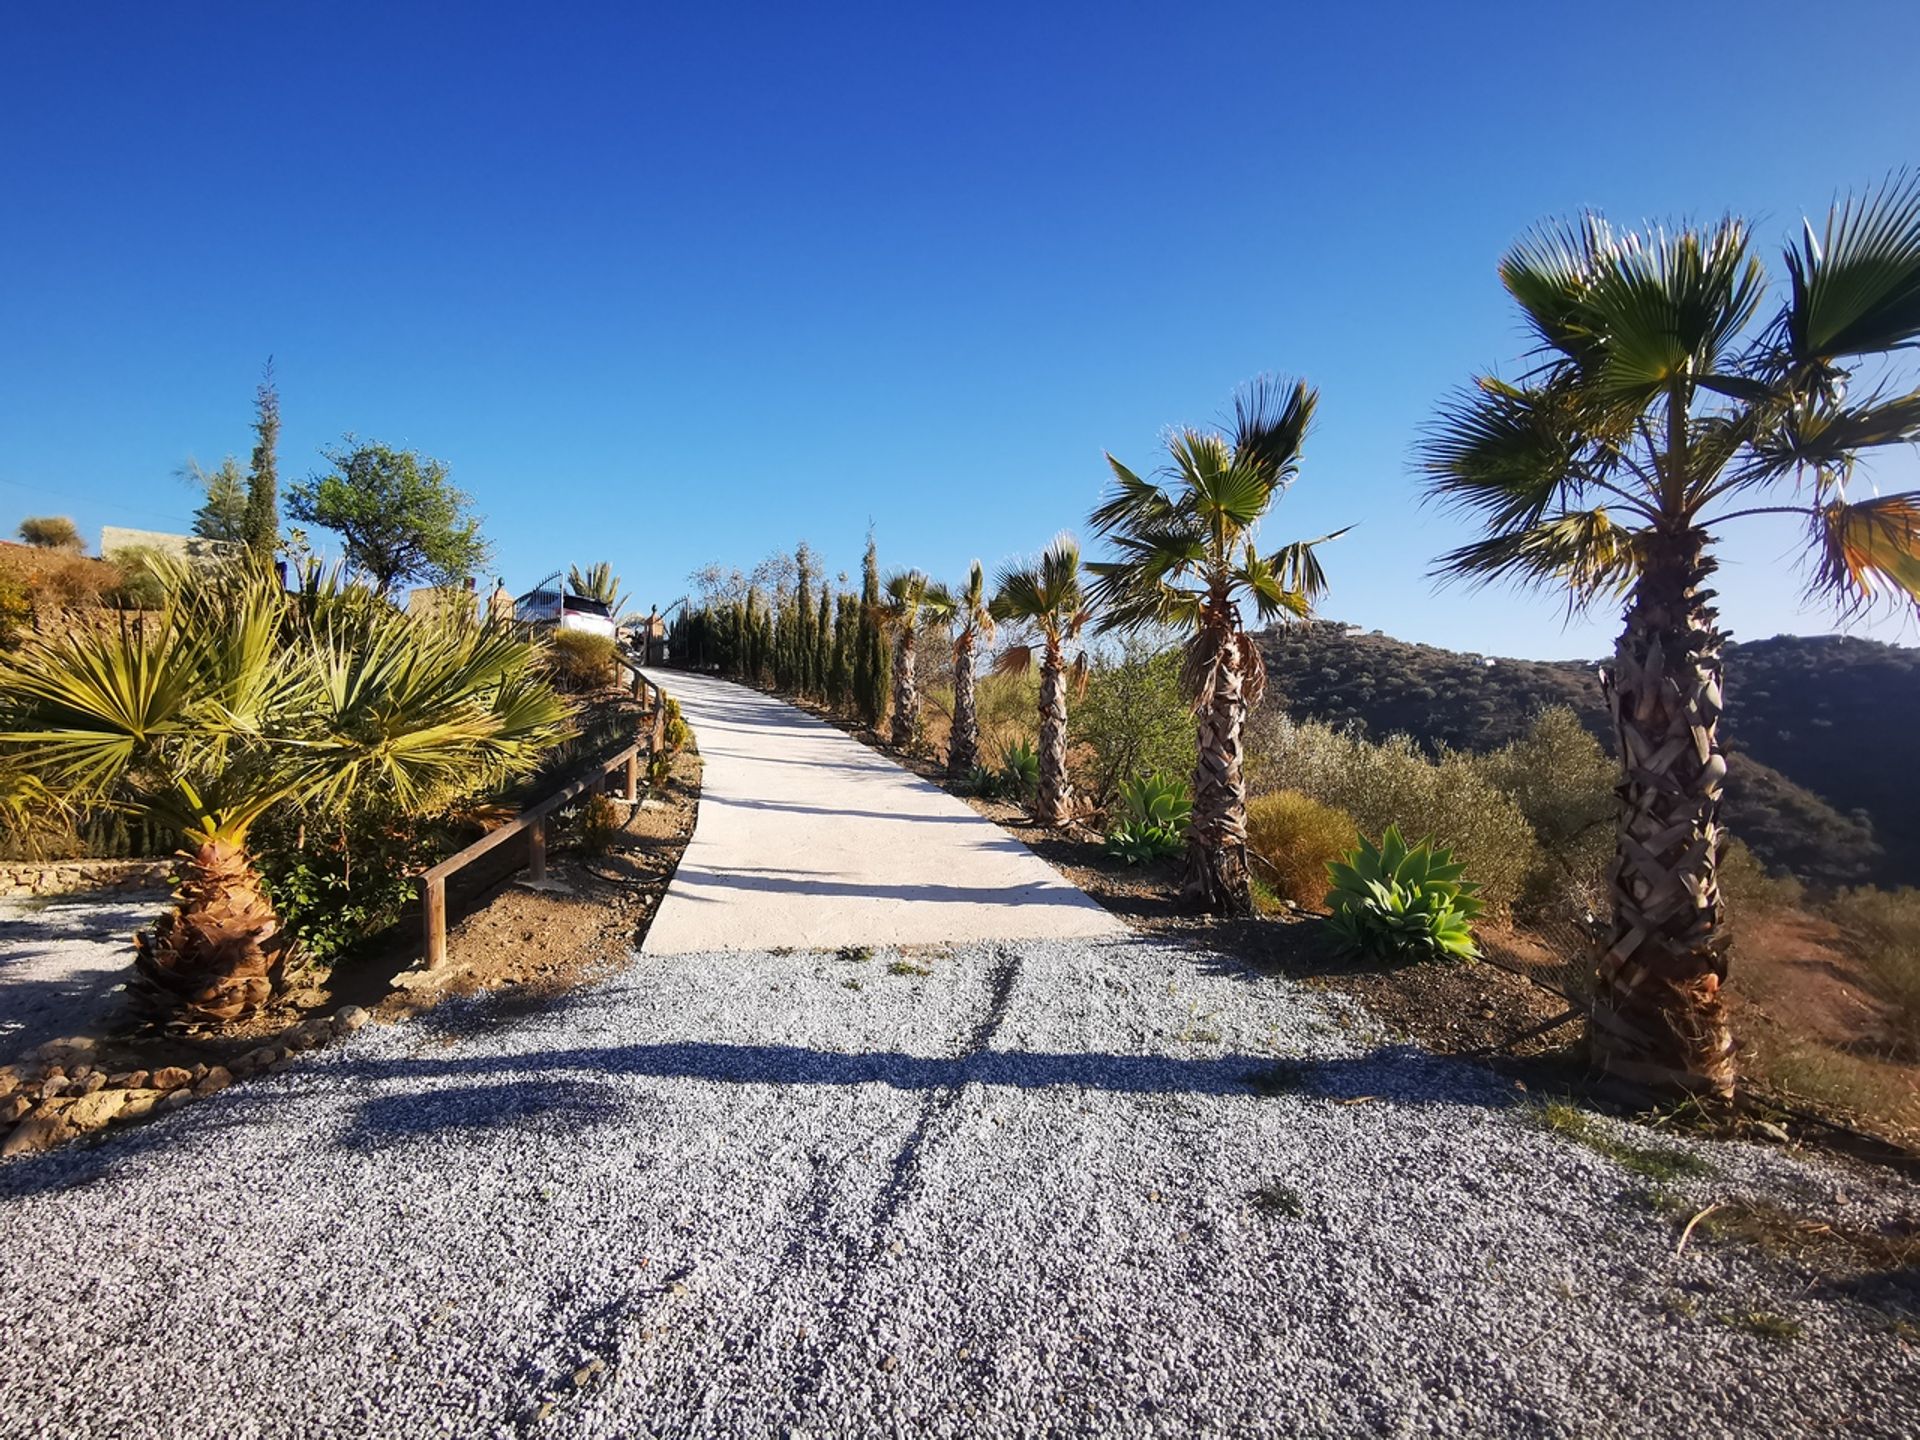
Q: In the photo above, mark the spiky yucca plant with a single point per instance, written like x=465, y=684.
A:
x=1047, y=598
x=967, y=613
x=1669, y=395
x=1188, y=561
x=240, y=699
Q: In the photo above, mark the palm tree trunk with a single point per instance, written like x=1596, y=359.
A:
x=1216, y=877
x=963, y=746
x=906, y=689
x=216, y=954
x=1053, y=803
x=1658, y=1015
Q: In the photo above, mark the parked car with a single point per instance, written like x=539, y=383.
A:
x=566, y=612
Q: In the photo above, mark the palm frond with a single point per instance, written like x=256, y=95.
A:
x=1868, y=548
x=1271, y=418
x=1856, y=287
x=1582, y=551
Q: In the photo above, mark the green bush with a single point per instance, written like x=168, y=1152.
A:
x=1883, y=929
x=339, y=883
x=1748, y=887
x=1152, y=823
x=1392, y=783
x=597, y=824
x=1563, y=782
x=578, y=661
x=1132, y=721
x=1393, y=903
x=1296, y=838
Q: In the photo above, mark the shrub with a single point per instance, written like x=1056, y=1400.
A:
x=1747, y=886
x=598, y=823
x=1392, y=783
x=1392, y=903
x=577, y=661
x=1152, y=824
x=1563, y=781
x=338, y=884
x=1296, y=838
x=1019, y=771
x=1883, y=927
x=1132, y=721
x=52, y=532
x=983, y=782
x=676, y=732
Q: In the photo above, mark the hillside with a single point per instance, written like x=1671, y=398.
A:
x=1816, y=727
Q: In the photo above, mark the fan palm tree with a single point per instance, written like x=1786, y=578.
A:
x=1671, y=394
x=967, y=612
x=1188, y=561
x=240, y=700
x=1047, y=598
x=903, y=602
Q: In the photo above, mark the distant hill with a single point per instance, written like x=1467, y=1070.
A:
x=1823, y=780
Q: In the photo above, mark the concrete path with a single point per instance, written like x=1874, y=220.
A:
x=808, y=839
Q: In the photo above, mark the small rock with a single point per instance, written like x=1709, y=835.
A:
x=13, y=1107
x=95, y=1109
x=80, y=1072
x=171, y=1077
x=129, y=1080
x=892, y=1362
x=140, y=1102
x=1772, y=1131
x=174, y=1099
x=37, y=1132
x=199, y=1073
x=53, y=1085
x=10, y=1079
x=93, y=1081
x=216, y=1079
x=348, y=1019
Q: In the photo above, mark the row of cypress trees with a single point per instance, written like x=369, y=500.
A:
x=803, y=639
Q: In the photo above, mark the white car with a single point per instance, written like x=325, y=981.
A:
x=564, y=611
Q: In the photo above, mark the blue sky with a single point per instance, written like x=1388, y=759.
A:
x=671, y=285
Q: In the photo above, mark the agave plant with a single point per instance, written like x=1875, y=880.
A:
x=1048, y=599
x=1669, y=398
x=1019, y=774
x=1392, y=902
x=240, y=700
x=1153, y=818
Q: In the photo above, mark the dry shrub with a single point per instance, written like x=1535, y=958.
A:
x=599, y=823
x=1883, y=927
x=1296, y=838
x=578, y=661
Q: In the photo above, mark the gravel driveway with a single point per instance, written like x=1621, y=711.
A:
x=63, y=963
x=1032, y=1191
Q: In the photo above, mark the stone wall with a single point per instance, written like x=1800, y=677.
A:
x=72, y=877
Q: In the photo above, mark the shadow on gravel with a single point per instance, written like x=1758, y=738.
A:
x=536, y=1107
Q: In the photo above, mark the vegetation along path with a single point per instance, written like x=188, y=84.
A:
x=808, y=838
x=1063, y=1183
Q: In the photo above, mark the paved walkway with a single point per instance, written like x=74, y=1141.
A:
x=807, y=838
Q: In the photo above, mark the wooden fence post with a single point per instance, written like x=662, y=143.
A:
x=633, y=777
x=433, y=917
x=537, y=849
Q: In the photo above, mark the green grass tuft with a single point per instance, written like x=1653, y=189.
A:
x=1654, y=1162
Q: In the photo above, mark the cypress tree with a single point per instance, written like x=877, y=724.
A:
x=261, y=527
x=803, y=621
x=870, y=649
x=822, y=642
x=840, y=668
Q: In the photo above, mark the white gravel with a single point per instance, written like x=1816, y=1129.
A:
x=64, y=964
x=740, y=1196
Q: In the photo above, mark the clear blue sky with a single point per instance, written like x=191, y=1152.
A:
x=670, y=284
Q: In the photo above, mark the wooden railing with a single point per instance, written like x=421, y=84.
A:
x=532, y=822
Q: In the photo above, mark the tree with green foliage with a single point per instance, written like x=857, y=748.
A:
x=869, y=649
x=1133, y=720
x=400, y=516
x=598, y=582
x=1669, y=395
x=840, y=669
x=1048, y=599
x=262, y=520
x=822, y=641
x=1188, y=562
x=52, y=532
x=241, y=700
x=223, y=514
x=968, y=615
x=903, y=606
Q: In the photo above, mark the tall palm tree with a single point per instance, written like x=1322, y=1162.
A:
x=902, y=607
x=1048, y=598
x=240, y=700
x=967, y=612
x=1188, y=561
x=1670, y=393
